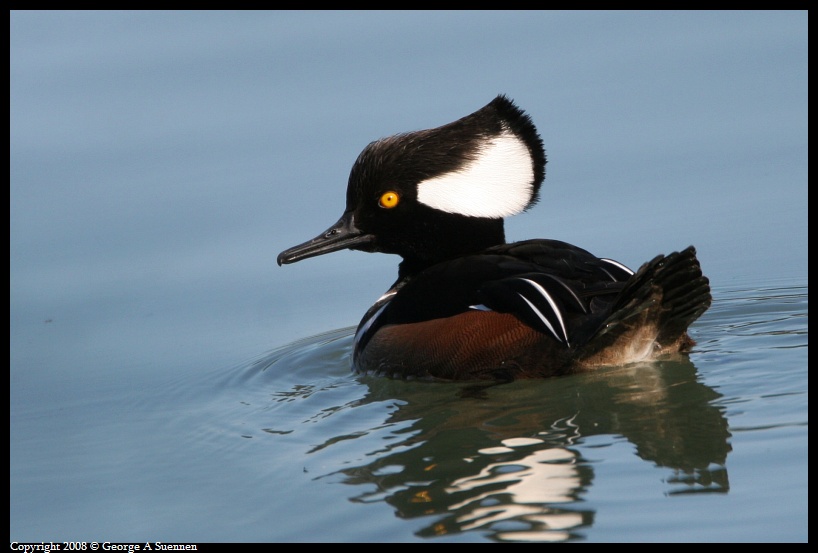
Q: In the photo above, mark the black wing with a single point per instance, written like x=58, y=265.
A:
x=554, y=287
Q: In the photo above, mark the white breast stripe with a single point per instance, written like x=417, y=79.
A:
x=553, y=305
x=365, y=326
x=362, y=330
x=388, y=294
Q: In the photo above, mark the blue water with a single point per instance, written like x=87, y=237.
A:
x=169, y=382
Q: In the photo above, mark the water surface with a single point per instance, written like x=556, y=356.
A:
x=169, y=382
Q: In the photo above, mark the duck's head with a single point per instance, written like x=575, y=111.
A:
x=436, y=194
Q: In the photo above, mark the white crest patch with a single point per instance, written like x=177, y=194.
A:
x=498, y=183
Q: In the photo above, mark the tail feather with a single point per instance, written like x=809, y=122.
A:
x=651, y=314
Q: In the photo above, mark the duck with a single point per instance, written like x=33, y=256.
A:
x=466, y=304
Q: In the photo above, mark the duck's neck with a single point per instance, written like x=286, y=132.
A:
x=465, y=237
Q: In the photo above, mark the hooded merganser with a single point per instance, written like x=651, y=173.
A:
x=467, y=305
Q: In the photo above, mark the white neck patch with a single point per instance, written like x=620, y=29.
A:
x=498, y=183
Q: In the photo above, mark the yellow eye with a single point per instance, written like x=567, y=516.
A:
x=389, y=199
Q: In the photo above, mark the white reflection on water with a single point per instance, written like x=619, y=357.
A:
x=542, y=477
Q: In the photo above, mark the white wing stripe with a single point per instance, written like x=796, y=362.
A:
x=569, y=290
x=553, y=305
x=604, y=270
x=616, y=264
x=542, y=317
